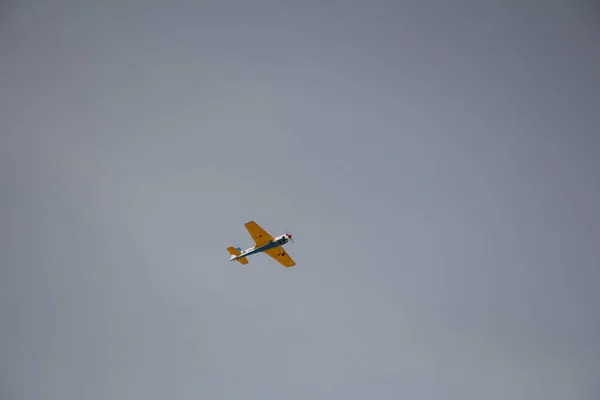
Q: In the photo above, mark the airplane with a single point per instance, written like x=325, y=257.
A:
x=264, y=243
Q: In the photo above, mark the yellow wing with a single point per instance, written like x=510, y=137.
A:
x=260, y=236
x=281, y=256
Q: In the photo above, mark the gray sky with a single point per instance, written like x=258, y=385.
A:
x=437, y=163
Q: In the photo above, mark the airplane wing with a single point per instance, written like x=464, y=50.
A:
x=260, y=236
x=281, y=256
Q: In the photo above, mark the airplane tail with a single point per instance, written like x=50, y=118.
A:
x=236, y=251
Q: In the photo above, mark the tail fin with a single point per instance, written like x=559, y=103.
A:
x=236, y=252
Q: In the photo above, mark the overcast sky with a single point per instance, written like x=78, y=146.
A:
x=436, y=162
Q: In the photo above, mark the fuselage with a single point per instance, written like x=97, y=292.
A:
x=277, y=242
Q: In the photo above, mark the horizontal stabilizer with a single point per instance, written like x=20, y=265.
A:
x=236, y=252
x=233, y=251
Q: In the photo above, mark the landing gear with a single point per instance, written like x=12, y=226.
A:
x=282, y=251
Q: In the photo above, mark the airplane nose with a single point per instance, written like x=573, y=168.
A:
x=290, y=235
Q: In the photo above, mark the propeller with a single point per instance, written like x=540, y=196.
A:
x=289, y=236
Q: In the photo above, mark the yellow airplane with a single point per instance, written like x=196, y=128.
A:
x=264, y=243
